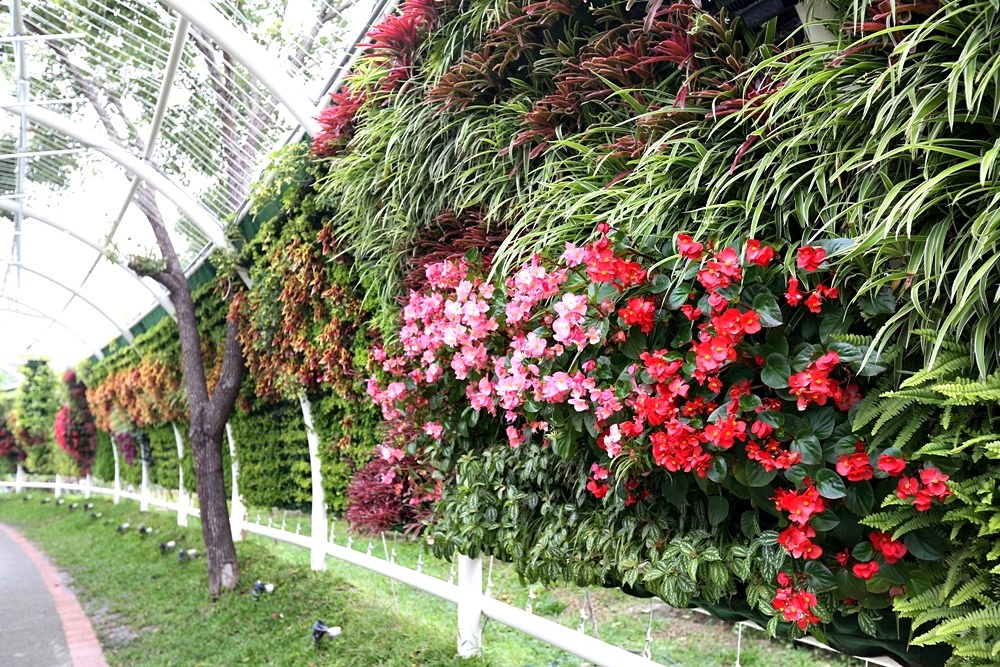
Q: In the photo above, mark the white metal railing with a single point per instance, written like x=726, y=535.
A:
x=467, y=594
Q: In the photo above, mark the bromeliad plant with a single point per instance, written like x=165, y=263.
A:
x=714, y=370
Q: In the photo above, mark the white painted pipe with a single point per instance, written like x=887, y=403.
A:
x=88, y=488
x=19, y=478
x=238, y=511
x=182, y=498
x=470, y=606
x=118, y=472
x=144, y=489
x=58, y=486
x=317, y=557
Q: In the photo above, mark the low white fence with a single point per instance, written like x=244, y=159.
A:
x=473, y=603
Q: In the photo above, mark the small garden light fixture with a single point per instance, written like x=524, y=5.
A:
x=320, y=630
x=122, y=528
x=259, y=588
x=166, y=546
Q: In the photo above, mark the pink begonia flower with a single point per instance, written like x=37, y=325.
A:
x=574, y=256
x=391, y=454
x=388, y=477
x=611, y=441
x=395, y=390
x=434, y=429
x=598, y=471
x=515, y=436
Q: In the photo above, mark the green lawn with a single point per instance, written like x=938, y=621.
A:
x=151, y=610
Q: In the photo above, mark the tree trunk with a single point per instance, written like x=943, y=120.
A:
x=220, y=551
x=207, y=413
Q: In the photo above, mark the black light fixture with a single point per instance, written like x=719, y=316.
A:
x=61, y=501
x=167, y=546
x=88, y=506
x=73, y=506
x=259, y=588
x=122, y=528
x=185, y=555
x=45, y=501
x=144, y=530
x=320, y=630
x=95, y=515
x=756, y=13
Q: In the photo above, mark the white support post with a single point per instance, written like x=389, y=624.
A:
x=144, y=492
x=182, y=497
x=238, y=511
x=88, y=486
x=18, y=478
x=470, y=606
x=118, y=473
x=58, y=485
x=317, y=558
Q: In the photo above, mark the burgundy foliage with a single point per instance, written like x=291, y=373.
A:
x=386, y=495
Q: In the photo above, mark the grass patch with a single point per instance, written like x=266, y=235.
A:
x=151, y=610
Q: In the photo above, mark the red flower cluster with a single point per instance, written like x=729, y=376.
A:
x=772, y=456
x=814, y=385
x=855, y=467
x=721, y=271
x=796, y=541
x=796, y=605
x=800, y=505
x=604, y=266
x=639, y=311
x=891, y=550
x=810, y=258
x=932, y=484
x=596, y=483
x=865, y=570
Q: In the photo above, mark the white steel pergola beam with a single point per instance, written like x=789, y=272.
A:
x=251, y=55
x=202, y=219
x=52, y=318
x=50, y=220
x=122, y=328
x=166, y=85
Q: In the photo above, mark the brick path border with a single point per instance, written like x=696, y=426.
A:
x=84, y=649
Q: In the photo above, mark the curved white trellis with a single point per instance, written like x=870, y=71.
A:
x=52, y=318
x=207, y=223
x=253, y=56
x=47, y=218
x=122, y=327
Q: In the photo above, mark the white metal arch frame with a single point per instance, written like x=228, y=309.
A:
x=48, y=219
x=202, y=219
x=52, y=318
x=122, y=328
x=251, y=55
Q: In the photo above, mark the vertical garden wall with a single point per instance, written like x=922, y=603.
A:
x=635, y=295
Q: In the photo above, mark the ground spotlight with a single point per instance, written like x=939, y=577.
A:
x=121, y=528
x=320, y=630
x=73, y=506
x=185, y=555
x=167, y=546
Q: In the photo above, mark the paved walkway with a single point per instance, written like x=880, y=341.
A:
x=41, y=623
